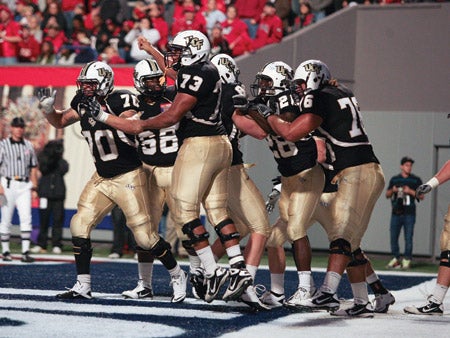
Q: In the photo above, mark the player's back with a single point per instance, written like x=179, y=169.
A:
x=343, y=126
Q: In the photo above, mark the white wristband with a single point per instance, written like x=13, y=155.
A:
x=102, y=116
x=433, y=182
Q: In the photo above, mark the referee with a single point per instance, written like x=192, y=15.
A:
x=18, y=170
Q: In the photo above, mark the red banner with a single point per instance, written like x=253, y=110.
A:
x=55, y=76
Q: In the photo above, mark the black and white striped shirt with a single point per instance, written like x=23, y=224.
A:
x=16, y=158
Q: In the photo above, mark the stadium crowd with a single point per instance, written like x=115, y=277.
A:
x=78, y=31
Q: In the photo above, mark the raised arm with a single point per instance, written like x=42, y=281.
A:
x=145, y=45
x=57, y=118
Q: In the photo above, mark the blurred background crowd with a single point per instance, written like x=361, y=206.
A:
x=69, y=32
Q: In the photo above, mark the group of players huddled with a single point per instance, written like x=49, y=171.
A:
x=180, y=145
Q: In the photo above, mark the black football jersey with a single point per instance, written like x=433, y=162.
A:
x=114, y=152
x=158, y=147
x=291, y=157
x=202, y=81
x=227, y=109
x=342, y=125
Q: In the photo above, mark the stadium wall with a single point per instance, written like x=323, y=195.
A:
x=396, y=60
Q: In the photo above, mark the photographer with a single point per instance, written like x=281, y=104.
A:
x=402, y=192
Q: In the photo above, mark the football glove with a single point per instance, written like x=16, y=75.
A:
x=46, y=100
x=240, y=99
x=94, y=108
x=422, y=190
x=272, y=200
x=262, y=109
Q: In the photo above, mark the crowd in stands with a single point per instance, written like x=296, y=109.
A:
x=78, y=31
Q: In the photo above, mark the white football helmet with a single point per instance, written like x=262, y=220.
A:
x=186, y=48
x=96, y=78
x=145, y=70
x=313, y=73
x=227, y=67
x=274, y=78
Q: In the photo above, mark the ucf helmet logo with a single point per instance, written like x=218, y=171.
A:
x=194, y=42
x=281, y=70
x=313, y=68
x=226, y=63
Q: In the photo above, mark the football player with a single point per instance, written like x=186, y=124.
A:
x=333, y=110
x=301, y=176
x=434, y=304
x=322, y=214
x=245, y=201
x=157, y=149
x=119, y=177
x=200, y=173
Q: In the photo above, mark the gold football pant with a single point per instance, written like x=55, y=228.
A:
x=299, y=196
x=246, y=205
x=359, y=189
x=130, y=192
x=200, y=175
x=445, y=234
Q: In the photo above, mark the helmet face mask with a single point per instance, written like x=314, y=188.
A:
x=274, y=78
x=311, y=75
x=149, y=79
x=96, y=79
x=187, y=48
x=227, y=67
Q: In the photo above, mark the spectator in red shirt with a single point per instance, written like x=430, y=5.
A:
x=178, y=10
x=189, y=21
x=55, y=35
x=235, y=31
x=250, y=12
x=9, y=37
x=29, y=47
x=270, y=28
x=306, y=16
x=218, y=43
x=158, y=22
x=111, y=56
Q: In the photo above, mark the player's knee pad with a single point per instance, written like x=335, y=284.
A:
x=358, y=258
x=81, y=245
x=340, y=247
x=188, y=247
x=226, y=237
x=188, y=230
x=160, y=249
x=445, y=259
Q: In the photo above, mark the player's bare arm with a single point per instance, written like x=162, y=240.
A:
x=247, y=125
x=62, y=118
x=180, y=106
x=296, y=130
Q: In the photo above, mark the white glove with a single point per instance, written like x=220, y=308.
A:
x=47, y=100
x=272, y=200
